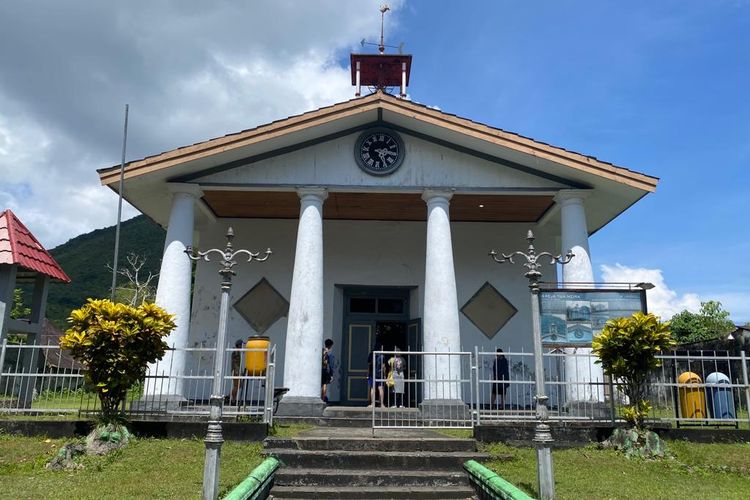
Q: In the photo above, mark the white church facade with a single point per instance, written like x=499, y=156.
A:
x=380, y=213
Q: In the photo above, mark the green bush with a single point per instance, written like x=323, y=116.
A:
x=115, y=343
x=627, y=349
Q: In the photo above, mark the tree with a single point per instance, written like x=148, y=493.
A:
x=138, y=288
x=115, y=342
x=19, y=309
x=712, y=322
x=627, y=349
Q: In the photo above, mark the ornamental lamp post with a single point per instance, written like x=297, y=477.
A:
x=542, y=434
x=214, y=438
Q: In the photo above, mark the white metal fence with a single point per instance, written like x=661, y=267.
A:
x=43, y=379
x=465, y=389
x=458, y=390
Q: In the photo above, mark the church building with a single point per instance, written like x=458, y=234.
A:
x=380, y=213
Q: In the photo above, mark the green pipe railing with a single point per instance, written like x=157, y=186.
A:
x=257, y=485
x=489, y=485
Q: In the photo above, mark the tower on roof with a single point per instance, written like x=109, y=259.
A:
x=381, y=71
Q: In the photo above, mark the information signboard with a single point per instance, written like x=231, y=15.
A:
x=573, y=317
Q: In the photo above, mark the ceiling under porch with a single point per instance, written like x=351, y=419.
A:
x=378, y=206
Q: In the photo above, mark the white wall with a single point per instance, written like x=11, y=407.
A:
x=426, y=164
x=365, y=253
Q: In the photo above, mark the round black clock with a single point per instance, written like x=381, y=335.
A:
x=379, y=151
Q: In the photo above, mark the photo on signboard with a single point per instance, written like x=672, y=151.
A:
x=580, y=332
x=554, y=328
x=578, y=310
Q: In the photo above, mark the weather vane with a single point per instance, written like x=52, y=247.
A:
x=381, y=46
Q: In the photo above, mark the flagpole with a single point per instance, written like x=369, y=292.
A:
x=119, y=206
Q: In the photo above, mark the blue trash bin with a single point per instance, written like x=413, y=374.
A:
x=719, y=396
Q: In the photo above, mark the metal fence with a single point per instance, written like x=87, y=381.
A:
x=429, y=391
x=465, y=389
x=43, y=379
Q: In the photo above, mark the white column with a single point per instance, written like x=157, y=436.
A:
x=304, y=335
x=575, y=237
x=441, y=332
x=173, y=291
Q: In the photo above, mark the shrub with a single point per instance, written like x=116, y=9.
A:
x=627, y=349
x=115, y=343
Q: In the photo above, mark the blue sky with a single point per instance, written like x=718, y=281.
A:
x=658, y=87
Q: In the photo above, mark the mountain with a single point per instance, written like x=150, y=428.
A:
x=85, y=259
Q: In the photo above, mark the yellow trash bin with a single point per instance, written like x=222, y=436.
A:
x=692, y=396
x=255, y=359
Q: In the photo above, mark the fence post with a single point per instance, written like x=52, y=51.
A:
x=2, y=356
x=745, y=383
x=612, y=399
x=477, y=397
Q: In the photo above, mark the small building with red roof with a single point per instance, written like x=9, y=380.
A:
x=24, y=260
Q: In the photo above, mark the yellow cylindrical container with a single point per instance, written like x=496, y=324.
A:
x=692, y=396
x=255, y=360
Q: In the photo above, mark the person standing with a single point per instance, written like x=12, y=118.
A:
x=501, y=376
x=236, y=370
x=327, y=369
x=378, y=381
x=396, y=365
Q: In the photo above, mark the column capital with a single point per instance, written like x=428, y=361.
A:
x=318, y=193
x=193, y=190
x=437, y=195
x=566, y=196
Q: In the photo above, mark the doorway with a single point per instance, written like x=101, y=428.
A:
x=373, y=315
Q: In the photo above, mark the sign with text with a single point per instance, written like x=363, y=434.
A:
x=573, y=317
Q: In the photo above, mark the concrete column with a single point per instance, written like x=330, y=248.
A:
x=575, y=237
x=7, y=284
x=304, y=335
x=173, y=291
x=440, y=320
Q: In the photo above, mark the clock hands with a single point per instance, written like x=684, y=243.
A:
x=382, y=152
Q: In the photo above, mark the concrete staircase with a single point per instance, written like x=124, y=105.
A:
x=348, y=462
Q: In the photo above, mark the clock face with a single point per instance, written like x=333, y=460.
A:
x=379, y=151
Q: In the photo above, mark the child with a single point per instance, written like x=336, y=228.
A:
x=327, y=369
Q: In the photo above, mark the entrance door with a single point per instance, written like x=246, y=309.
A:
x=372, y=315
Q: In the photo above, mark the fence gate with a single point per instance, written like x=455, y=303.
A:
x=418, y=389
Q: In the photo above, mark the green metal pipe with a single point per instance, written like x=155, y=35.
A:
x=255, y=484
x=492, y=484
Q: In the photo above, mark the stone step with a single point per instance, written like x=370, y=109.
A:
x=384, y=443
x=366, y=413
x=374, y=460
x=369, y=478
x=353, y=492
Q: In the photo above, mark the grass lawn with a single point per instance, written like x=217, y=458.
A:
x=146, y=468
x=696, y=471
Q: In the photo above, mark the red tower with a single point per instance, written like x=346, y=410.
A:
x=381, y=70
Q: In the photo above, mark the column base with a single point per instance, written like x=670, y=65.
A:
x=445, y=409
x=597, y=410
x=161, y=403
x=300, y=406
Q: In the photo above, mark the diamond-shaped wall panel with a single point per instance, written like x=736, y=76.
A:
x=488, y=310
x=262, y=306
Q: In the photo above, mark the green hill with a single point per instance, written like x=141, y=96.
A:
x=85, y=259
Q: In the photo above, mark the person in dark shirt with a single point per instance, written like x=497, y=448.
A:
x=501, y=376
x=326, y=374
x=379, y=379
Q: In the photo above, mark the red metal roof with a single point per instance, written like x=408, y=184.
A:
x=18, y=246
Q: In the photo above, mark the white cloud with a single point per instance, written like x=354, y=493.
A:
x=190, y=71
x=662, y=300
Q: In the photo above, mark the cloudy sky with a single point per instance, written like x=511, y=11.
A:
x=658, y=87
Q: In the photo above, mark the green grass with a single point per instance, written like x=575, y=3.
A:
x=695, y=471
x=288, y=430
x=146, y=468
x=457, y=433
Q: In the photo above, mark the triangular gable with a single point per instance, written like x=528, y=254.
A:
x=344, y=117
